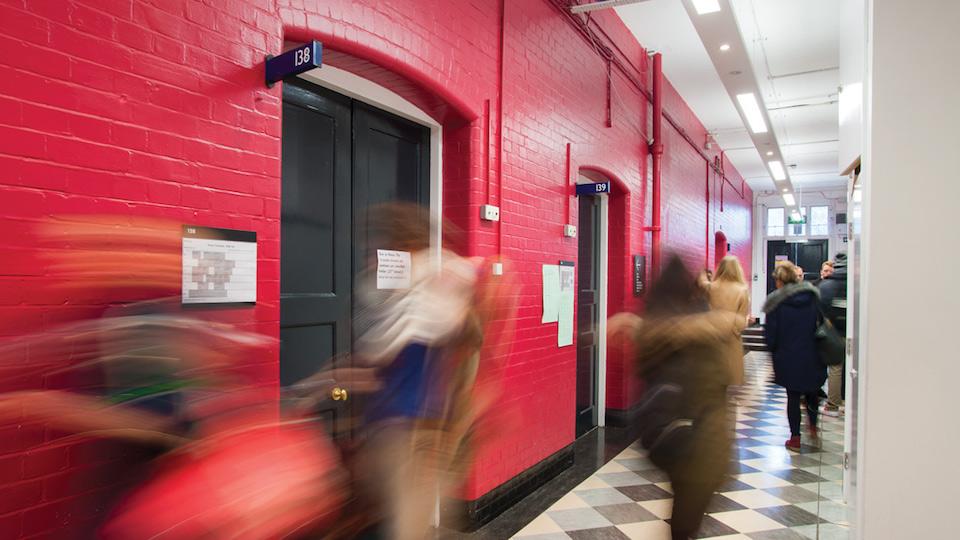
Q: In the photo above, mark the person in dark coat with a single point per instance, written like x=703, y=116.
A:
x=683, y=419
x=792, y=316
x=833, y=302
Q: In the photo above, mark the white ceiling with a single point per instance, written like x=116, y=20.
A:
x=793, y=47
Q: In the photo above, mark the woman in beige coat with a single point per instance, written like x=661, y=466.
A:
x=729, y=292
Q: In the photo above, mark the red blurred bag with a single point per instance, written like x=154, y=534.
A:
x=265, y=482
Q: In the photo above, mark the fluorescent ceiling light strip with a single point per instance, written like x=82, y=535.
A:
x=706, y=6
x=776, y=169
x=788, y=198
x=751, y=109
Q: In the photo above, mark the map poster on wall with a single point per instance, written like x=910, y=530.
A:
x=219, y=266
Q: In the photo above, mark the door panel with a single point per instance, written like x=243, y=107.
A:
x=391, y=162
x=303, y=346
x=587, y=313
x=315, y=244
x=811, y=256
x=775, y=248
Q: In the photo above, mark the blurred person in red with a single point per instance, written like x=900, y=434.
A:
x=147, y=374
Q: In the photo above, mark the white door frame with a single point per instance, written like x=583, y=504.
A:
x=602, y=316
x=383, y=98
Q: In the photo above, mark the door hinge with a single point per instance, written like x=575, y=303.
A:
x=846, y=461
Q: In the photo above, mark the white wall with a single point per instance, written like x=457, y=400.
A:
x=851, y=81
x=910, y=361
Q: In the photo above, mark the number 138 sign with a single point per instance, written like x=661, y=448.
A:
x=293, y=62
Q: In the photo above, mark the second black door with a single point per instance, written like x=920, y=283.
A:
x=809, y=255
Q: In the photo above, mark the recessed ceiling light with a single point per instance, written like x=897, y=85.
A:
x=751, y=109
x=706, y=6
x=788, y=198
x=776, y=169
x=786, y=190
x=769, y=152
x=725, y=47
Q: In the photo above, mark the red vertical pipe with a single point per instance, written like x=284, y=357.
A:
x=656, y=149
x=706, y=232
x=724, y=176
x=499, y=141
x=566, y=185
x=609, y=87
x=486, y=149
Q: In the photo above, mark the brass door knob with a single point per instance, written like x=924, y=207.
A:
x=338, y=394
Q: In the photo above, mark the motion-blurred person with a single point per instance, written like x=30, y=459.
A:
x=833, y=302
x=799, y=271
x=163, y=384
x=792, y=317
x=424, y=339
x=728, y=292
x=683, y=421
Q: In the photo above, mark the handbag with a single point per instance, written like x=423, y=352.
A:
x=830, y=344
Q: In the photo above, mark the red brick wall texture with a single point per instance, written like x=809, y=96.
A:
x=158, y=109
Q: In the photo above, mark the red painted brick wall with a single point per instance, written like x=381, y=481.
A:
x=158, y=109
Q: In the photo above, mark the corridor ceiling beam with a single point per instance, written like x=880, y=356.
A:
x=604, y=4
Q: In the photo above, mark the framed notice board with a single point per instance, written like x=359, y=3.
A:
x=219, y=266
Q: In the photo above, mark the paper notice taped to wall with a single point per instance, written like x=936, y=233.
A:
x=551, y=293
x=565, y=322
x=393, y=269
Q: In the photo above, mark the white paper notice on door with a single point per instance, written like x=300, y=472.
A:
x=393, y=269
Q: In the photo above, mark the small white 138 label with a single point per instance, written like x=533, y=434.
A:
x=302, y=56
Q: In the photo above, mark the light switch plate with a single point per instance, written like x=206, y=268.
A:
x=490, y=212
x=570, y=231
x=498, y=269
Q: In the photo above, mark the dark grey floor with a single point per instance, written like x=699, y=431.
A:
x=591, y=452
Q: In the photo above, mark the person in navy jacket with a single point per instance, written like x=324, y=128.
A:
x=792, y=315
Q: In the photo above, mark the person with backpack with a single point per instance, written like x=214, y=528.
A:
x=833, y=302
x=683, y=416
x=792, y=316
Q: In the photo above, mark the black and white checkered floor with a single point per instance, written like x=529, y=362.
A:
x=771, y=493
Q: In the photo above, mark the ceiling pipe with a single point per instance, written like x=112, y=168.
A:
x=583, y=28
x=603, y=4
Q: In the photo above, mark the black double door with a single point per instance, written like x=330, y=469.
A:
x=588, y=312
x=340, y=157
x=808, y=255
